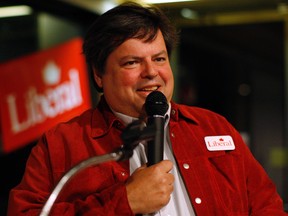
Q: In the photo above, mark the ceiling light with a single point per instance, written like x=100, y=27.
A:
x=188, y=13
x=11, y=11
x=165, y=1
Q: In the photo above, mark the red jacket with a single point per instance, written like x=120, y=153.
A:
x=219, y=182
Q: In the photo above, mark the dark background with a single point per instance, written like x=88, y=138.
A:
x=236, y=68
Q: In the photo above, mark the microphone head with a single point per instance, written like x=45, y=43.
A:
x=156, y=104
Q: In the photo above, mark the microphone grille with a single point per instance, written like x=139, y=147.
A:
x=156, y=104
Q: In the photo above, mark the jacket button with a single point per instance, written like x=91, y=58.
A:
x=186, y=166
x=173, y=112
x=173, y=135
x=198, y=200
x=118, y=125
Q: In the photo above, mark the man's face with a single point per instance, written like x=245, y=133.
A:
x=133, y=70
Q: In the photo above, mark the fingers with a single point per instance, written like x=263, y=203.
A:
x=149, y=188
x=166, y=165
x=163, y=166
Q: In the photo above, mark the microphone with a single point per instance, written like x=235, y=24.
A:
x=156, y=106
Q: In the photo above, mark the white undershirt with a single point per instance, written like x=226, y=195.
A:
x=179, y=203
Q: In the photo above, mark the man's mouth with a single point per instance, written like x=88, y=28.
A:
x=153, y=88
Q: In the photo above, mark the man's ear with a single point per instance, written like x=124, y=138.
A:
x=98, y=79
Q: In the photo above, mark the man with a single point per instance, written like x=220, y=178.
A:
x=207, y=168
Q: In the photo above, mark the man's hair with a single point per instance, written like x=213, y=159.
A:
x=126, y=21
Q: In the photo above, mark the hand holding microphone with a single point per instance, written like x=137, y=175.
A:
x=149, y=188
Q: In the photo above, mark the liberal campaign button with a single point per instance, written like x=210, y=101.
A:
x=219, y=143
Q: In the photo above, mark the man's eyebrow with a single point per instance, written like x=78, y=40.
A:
x=160, y=53
x=129, y=57
x=139, y=57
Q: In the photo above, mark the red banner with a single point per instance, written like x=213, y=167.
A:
x=39, y=90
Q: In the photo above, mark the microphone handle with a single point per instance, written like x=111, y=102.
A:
x=156, y=145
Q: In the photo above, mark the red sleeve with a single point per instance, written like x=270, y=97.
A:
x=29, y=197
x=263, y=197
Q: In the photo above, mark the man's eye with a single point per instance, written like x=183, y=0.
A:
x=160, y=59
x=130, y=63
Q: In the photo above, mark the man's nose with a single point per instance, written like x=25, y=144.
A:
x=149, y=70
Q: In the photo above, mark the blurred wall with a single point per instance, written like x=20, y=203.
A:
x=236, y=69
x=20, y=36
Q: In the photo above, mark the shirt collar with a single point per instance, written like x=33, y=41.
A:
x=128, y=119
x=178, y=111
x=103, y=118
x=125, y=118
